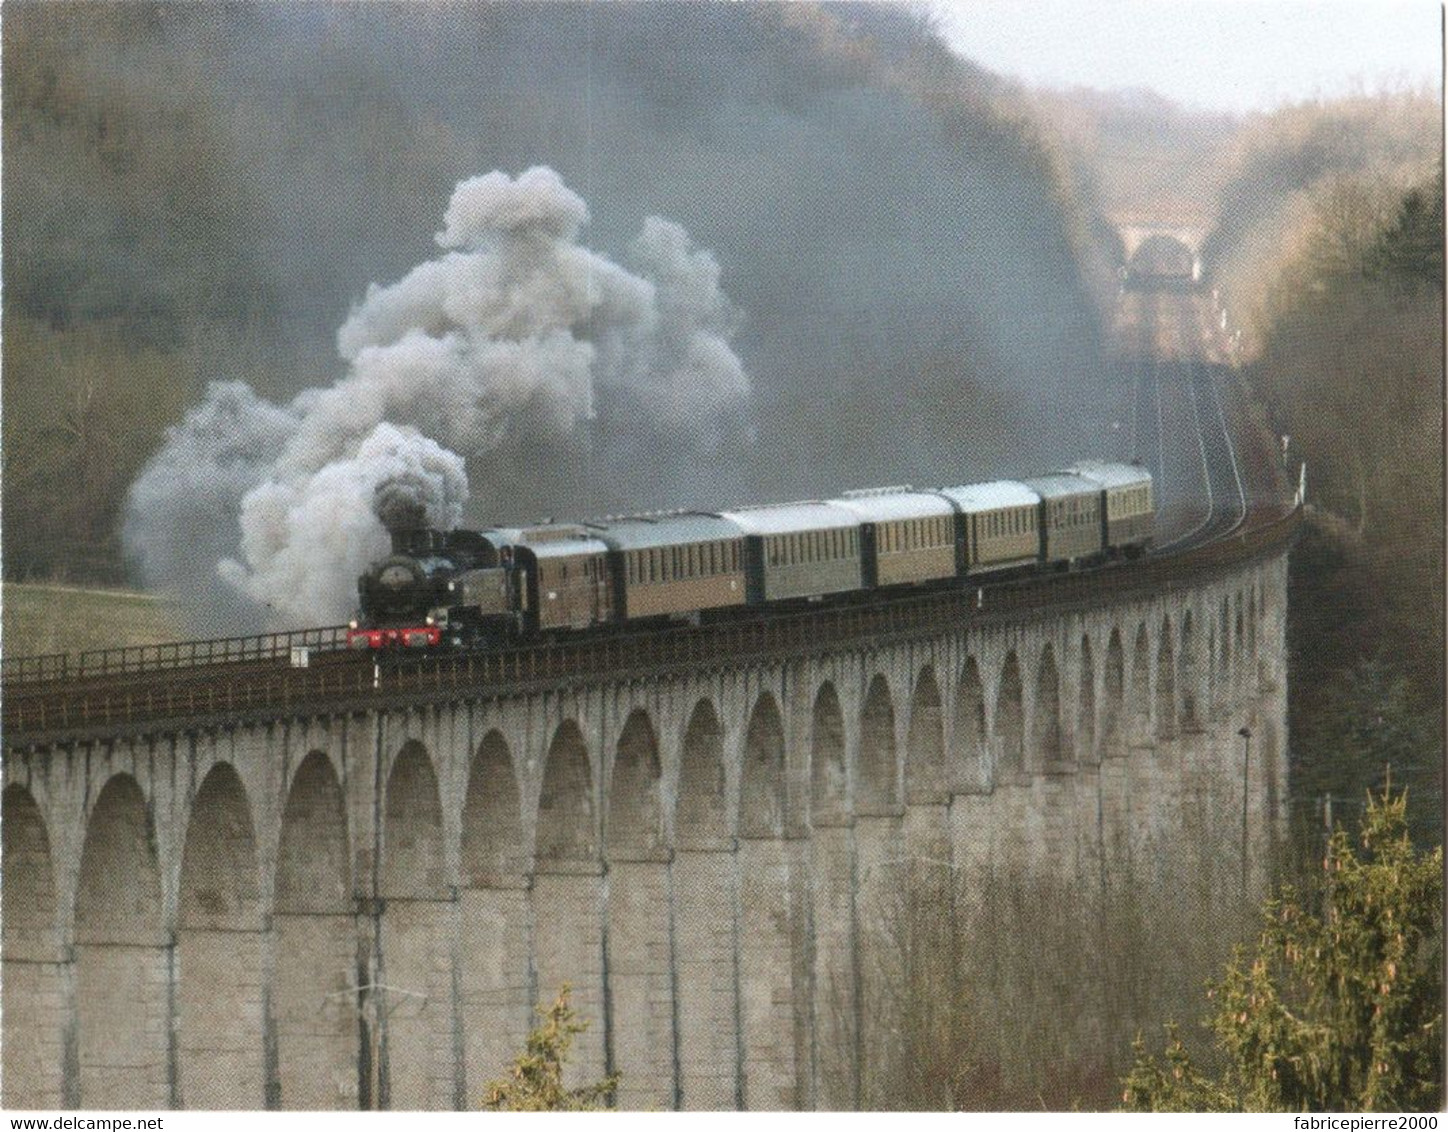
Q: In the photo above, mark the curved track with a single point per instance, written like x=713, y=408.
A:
x=1219, y=493
x=1187, y=420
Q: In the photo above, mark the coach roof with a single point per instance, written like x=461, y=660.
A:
x=1062, y=486
x=1110, y=475
x=791, y=518
x=888, y=506
x=642, y=532
x=991, y=496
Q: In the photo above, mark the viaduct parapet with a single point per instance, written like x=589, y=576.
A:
x=360, y=906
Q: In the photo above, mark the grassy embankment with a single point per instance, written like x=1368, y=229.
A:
x=40, y=619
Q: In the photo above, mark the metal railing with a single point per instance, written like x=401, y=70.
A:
x=202, y=694
x=19, y=670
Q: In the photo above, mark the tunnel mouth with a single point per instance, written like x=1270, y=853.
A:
x=1162, y=257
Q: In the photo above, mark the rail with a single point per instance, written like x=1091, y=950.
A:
x=36, y=712
x=18, y=670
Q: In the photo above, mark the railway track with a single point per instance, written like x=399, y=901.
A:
x=43, y=712
x=1188, y=420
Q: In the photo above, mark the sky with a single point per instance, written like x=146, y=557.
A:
x=1232, y=55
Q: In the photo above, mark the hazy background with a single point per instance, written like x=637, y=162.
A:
x=918, y=259
x=1224, y=56
x=199, y=193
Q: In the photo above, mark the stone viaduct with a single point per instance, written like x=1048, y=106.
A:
x=361, y=907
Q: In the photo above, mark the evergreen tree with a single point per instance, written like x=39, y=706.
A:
x=1411, y=249
x=1340, y=1009
x=535, y=1082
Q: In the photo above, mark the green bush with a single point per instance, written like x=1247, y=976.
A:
x=1340, y=1008
x=535, y=1082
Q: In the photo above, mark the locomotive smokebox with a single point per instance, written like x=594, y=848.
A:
x=418, y=542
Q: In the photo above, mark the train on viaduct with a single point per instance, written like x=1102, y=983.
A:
x=347, y=885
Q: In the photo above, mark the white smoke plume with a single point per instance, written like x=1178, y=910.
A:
x=304, y=541
x=514, y=327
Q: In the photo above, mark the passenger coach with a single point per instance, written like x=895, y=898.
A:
x=905, y=535
x=470, y=588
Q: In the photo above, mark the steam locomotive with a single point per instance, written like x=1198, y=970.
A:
x=468, y=588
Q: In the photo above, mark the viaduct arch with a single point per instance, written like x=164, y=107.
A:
x=360, y=909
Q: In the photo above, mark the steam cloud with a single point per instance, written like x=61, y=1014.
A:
x=514, y=329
